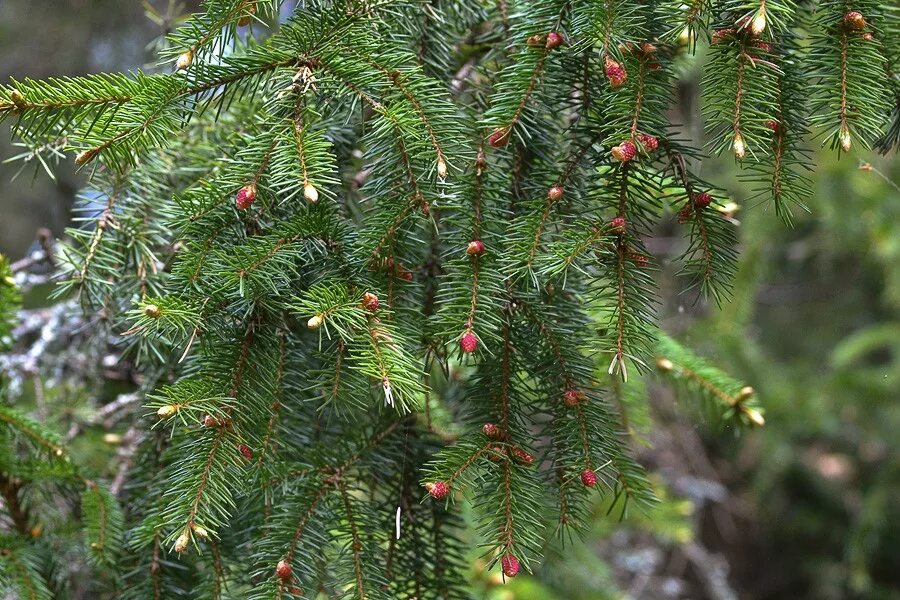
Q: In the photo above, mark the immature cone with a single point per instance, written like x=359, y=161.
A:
x=181, y=544
x=758, y=25
x=166, y=411
x=283, y=570
x=854, y=20
x=210, y=421
x=152, y=311
x=844, y=137
x=245, y=451
x=554, y=40
x=868, y=36
x=438, y=490
x=649, y=142
x=245, y=196
x=624, y=151
x=774, y=125
x=588, y=478
x=640, y=260
x=442, y=168
x=702, y=200
x=555, y=193
x=615, y=73
x=315, y=322
x=618, y=225
x=184, y=61
x=492, y=431
x=510, y=565
x=499, y=137
x=738, y=146
x=475, y=248
x=468, y=342
x=370, y=301
x=310, y=193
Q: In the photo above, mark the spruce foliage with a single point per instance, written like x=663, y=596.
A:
x=378, y=258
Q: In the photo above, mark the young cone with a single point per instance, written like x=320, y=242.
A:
x=510, y=565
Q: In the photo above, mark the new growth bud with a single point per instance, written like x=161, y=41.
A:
x=164, y=412
x=184, y=61
x=664, y=364
x=738, y=146
x=310, y=193
x=845, y=139
x=554, y=40
x=181, y=544
x=555, y=193
x=758, y=25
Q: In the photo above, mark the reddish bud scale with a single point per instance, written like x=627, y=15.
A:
x=468, y=342
x=438, y=490
x=283, y=570
x=554, y=40
x=854, y=20
x=640, y=260
x=618, y=225
x=536, y=41
x=370, y=301
x=588, y=478
x=475, y=248
x=246, y=19
x=245, y=197
x=624, y=151
x=573, y=397
x=510, y=565
x=773, y=125
x=702, y=200
x=499, y=137
x=615, y=73
x=245, y=451
x=721, y=35
x=649, y=142
x=555, y=193
x=492, y=431
x=522, y=456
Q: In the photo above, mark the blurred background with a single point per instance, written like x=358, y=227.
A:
x=806, y=507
